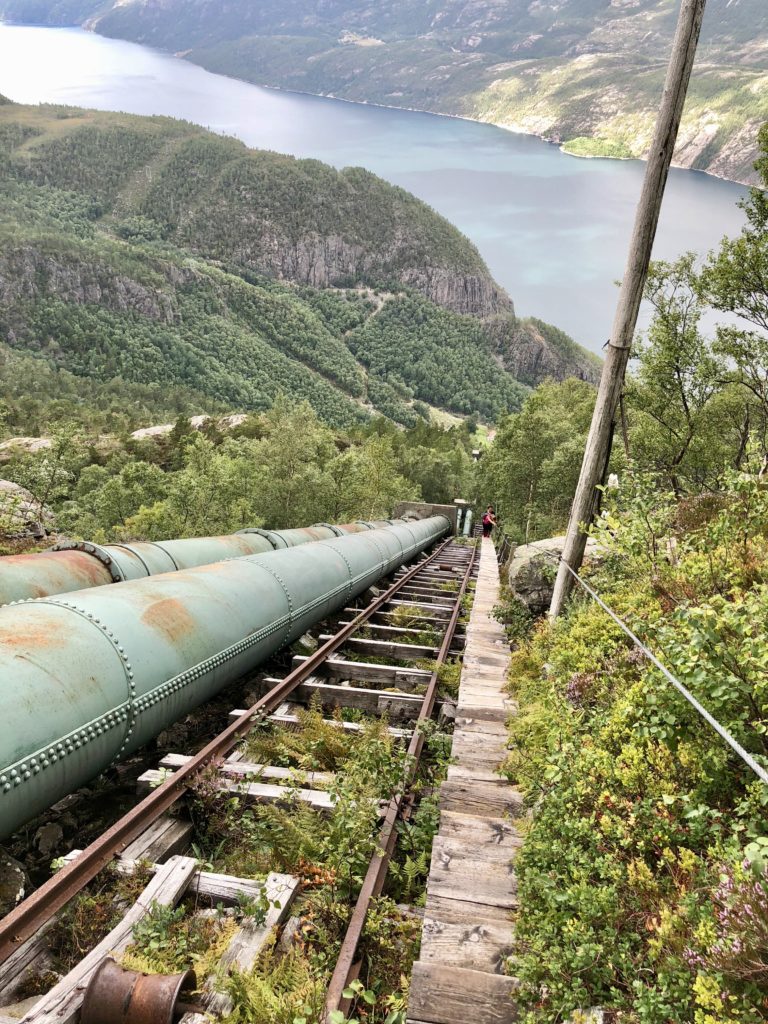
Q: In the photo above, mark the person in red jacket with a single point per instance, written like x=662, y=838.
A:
x=489, y=521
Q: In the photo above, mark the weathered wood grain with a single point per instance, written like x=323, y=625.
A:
x=164, y=838
x=391, y=675
x=239, y=769
x=62, y=1004
x=451, y=995
x=244, y=947
x=251, y=792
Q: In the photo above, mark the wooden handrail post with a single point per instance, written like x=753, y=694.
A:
x=631, y=293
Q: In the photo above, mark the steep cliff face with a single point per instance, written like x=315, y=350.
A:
x=29, y=274
x=534, y=351
x=474, y=294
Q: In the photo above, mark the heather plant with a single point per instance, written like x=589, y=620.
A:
x=642, y=881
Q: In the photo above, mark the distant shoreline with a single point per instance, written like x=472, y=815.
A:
x=182, y=55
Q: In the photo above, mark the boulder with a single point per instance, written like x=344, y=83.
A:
x=13, y=881
x=47, y=839
x=16, y=445
x=532, y=570
x=20, y=515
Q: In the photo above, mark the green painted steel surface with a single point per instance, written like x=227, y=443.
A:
x=77, y=565
x=86, y=678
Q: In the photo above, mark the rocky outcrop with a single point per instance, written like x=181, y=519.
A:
x=533, y=351
x=20, y=514
x=475, y=294
x=13, y=882
x=532, y=570
x=334, y=261
x=28, y=273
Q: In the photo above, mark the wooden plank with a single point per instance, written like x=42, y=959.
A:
x=496, y=844
x=386, y=648
x=209, y=885
x=465, y=773
x=347, y=726
x=62, y=1004
x=459, y=911
x=481, y=725
x=386, y=631
x=251, y=792
x=427, y=621
x=477, y=740
x=472, y=881
x=238, y=769
x=164, y=838
x=401, y=706
x=30, y=958
x=481, y=798
x=452, y=995
x=391, y=675
x=482, y=945
x=435, y=611
x=245, y=946
x=495, y=709
x=428, y=596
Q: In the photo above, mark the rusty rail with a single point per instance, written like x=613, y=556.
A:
x=30, y=915
x=346, y=969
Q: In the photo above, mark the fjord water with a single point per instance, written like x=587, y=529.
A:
x=553, y=228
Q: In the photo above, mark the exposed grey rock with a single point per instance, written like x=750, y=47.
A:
x=174, y=737
x=533, y=568
x=13, y=881
x=20, y=514
x=30, y=273
x=305, y=645
x=47, y=839
x=523, y=350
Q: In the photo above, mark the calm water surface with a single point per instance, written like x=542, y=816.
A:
x=552, y=228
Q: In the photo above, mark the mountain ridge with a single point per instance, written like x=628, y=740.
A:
x=152, y=251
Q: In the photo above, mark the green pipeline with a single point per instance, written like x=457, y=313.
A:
x=78, y=565
x=89, y=677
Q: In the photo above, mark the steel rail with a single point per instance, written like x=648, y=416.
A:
x=32, y=913
x=346, y=969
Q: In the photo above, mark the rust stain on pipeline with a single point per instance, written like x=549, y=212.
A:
x=170, y=618
x=43, y=634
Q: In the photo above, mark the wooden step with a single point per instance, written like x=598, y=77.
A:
x=484, y=799
x=459, y=872
x=479, y=943
x=452, y=995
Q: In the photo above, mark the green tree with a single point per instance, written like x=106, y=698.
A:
x=735, y=280
x=367, y=481
x=672, y=390
x=530, y=471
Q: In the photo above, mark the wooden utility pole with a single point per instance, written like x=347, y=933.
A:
x=631, y=293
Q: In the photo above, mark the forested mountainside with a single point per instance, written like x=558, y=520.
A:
x=587, y=73
x=151, y=251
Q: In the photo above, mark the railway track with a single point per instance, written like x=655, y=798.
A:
x=377, y=680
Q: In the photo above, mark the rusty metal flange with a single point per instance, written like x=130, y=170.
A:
x=117, y=996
